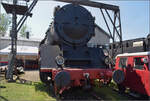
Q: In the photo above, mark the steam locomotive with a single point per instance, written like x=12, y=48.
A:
x=64, y=56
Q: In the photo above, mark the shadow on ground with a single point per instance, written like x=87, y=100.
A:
x=71, y=94
x=39, y=86
x=3, y=98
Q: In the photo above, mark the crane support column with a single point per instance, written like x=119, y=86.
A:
x=12, y=54
x=15, y=10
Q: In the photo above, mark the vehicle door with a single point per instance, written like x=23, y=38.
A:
x=138, y=74
x=122, y=65
x=128, y=72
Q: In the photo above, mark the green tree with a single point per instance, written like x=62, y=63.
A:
x=23, y=31
x=4, y=23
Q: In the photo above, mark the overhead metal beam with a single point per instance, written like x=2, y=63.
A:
x=92, y=4
x=107, y=25
x=25, y=16
x=20, y=9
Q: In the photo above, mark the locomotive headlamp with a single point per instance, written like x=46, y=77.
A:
x=107, y=60
x=60, y=60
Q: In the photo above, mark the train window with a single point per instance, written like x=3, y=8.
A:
x=123, y=62
x=127, y=44
x=31, y=64
x=138, y=64
x=109, y=46
x=114, y=46
x=19, y=63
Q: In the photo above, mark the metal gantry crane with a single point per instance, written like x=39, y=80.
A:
x=115, y=33
x=15, y=10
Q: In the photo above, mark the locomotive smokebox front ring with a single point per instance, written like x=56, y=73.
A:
x=74, y=24
x=62, y=79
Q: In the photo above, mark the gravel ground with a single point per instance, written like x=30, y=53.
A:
x=31, y=75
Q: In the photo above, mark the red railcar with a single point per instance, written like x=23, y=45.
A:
x=132, y=70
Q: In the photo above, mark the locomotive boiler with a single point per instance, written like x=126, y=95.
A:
x=64, y=56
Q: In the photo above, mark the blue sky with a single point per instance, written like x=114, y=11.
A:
x=135, y=17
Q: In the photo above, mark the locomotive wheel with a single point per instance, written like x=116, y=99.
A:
x=118, y=76
x=62, y=79
x=121, y=88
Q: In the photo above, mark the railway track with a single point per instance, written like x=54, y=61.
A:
x=79, y=94
x=71, y=94
x=75, y=93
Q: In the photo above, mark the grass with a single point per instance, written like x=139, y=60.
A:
x=24, y=92
x=38, y=91
x=108, y=92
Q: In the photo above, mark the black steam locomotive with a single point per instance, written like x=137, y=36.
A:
x=64, y=52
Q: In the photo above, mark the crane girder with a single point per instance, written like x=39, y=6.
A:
x=92, y=4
